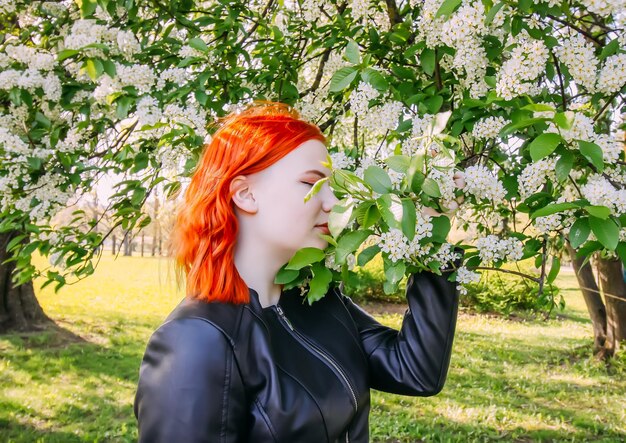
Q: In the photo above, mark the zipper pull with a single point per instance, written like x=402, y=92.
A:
x=284, y=317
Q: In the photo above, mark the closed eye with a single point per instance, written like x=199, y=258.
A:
x=307, y=183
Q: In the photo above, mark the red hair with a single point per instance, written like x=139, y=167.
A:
x=205, y=231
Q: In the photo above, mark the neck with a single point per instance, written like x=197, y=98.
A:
x=258, y=268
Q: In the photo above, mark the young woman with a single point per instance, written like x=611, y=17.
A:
x=240, y=360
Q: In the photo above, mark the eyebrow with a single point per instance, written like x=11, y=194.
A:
x=315, y=171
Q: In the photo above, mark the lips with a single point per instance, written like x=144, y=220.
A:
x=324, y=228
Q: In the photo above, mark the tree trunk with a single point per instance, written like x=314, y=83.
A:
x=593, y=300
x=128, y=248
x=113, y=245
x=19, y=310
x=614, y=289
x=143, y=241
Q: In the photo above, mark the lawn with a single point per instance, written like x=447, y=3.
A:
x=529, y=380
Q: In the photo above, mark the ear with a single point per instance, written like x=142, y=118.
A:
x=240, y=188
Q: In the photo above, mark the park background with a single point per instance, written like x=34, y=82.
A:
x=525, y=98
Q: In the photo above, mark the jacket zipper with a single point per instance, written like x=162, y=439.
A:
x=321, y=353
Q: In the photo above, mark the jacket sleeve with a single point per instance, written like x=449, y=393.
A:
x=414, y=360
x=189, y=387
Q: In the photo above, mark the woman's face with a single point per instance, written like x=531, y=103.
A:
x=283, y=220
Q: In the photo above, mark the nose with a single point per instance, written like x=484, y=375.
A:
x=329, y=200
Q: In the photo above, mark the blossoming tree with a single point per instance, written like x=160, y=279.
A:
x=519, y=101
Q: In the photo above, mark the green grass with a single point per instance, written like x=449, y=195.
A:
x=517, y=380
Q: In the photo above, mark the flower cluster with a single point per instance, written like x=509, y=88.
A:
x=141, y=77
x=613, y=74
x=414, y=144
x=445, y=255
x=464, y=276
x=331, y=264
x=599, y=191
x=399, y=247
x=604, y=7
x=382, y=119
x=489, y=127
x=482, y=183
x=341, y=161
x=360, y=8
x=534, y=176
x=33, y=58
x=360, y=98
x=30, y=80
x=492, y=248
x=578, y=55
x=527, y=62
x=87, y=33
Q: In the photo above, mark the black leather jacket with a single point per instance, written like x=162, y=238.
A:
x=292, y=372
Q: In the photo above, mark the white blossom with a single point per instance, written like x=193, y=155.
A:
x=341, y=161
x=527, y=61
x=534, y=176
x=35, y=59
x=360, y=98
x=492, y=248
x=464, y=276
x=599, y=191
x=613, y=74
x=483, y=184
x=578, y=55
x=489, y=127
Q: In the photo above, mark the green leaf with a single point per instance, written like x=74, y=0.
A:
x=434, y=103
x=342, y=78
x=564, y=166
x=409, y=217
x=318, y=286
x=304, y=257
x=431, y=188
x=598, y=211
x=398, y=163
x=553, y=209
x=315, y=188
x=492, y=12
x=579, y=232
x=606, y=231
x=394, y=272
x=285, y=276
x=544, y=145
x=390, y=208
x=378, y=179
x=349, y=243
x=554, y=270
x=87, y=7
x=199, y=44
x=513, y=127
x=564, y=120
x=367, y=214
x=123, y=105
x=441, y=228
x=593, y=153
x=109, y=68
x=375, y=78
x=352, y=53
x=447, y=8
x=609, y=49
x=367, y=254
x=94, y=68
x=538, y=107
x=339, y=217
x=427, y=60
x=67, y=53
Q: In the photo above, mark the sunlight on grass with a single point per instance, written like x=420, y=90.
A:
x=525, y=380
